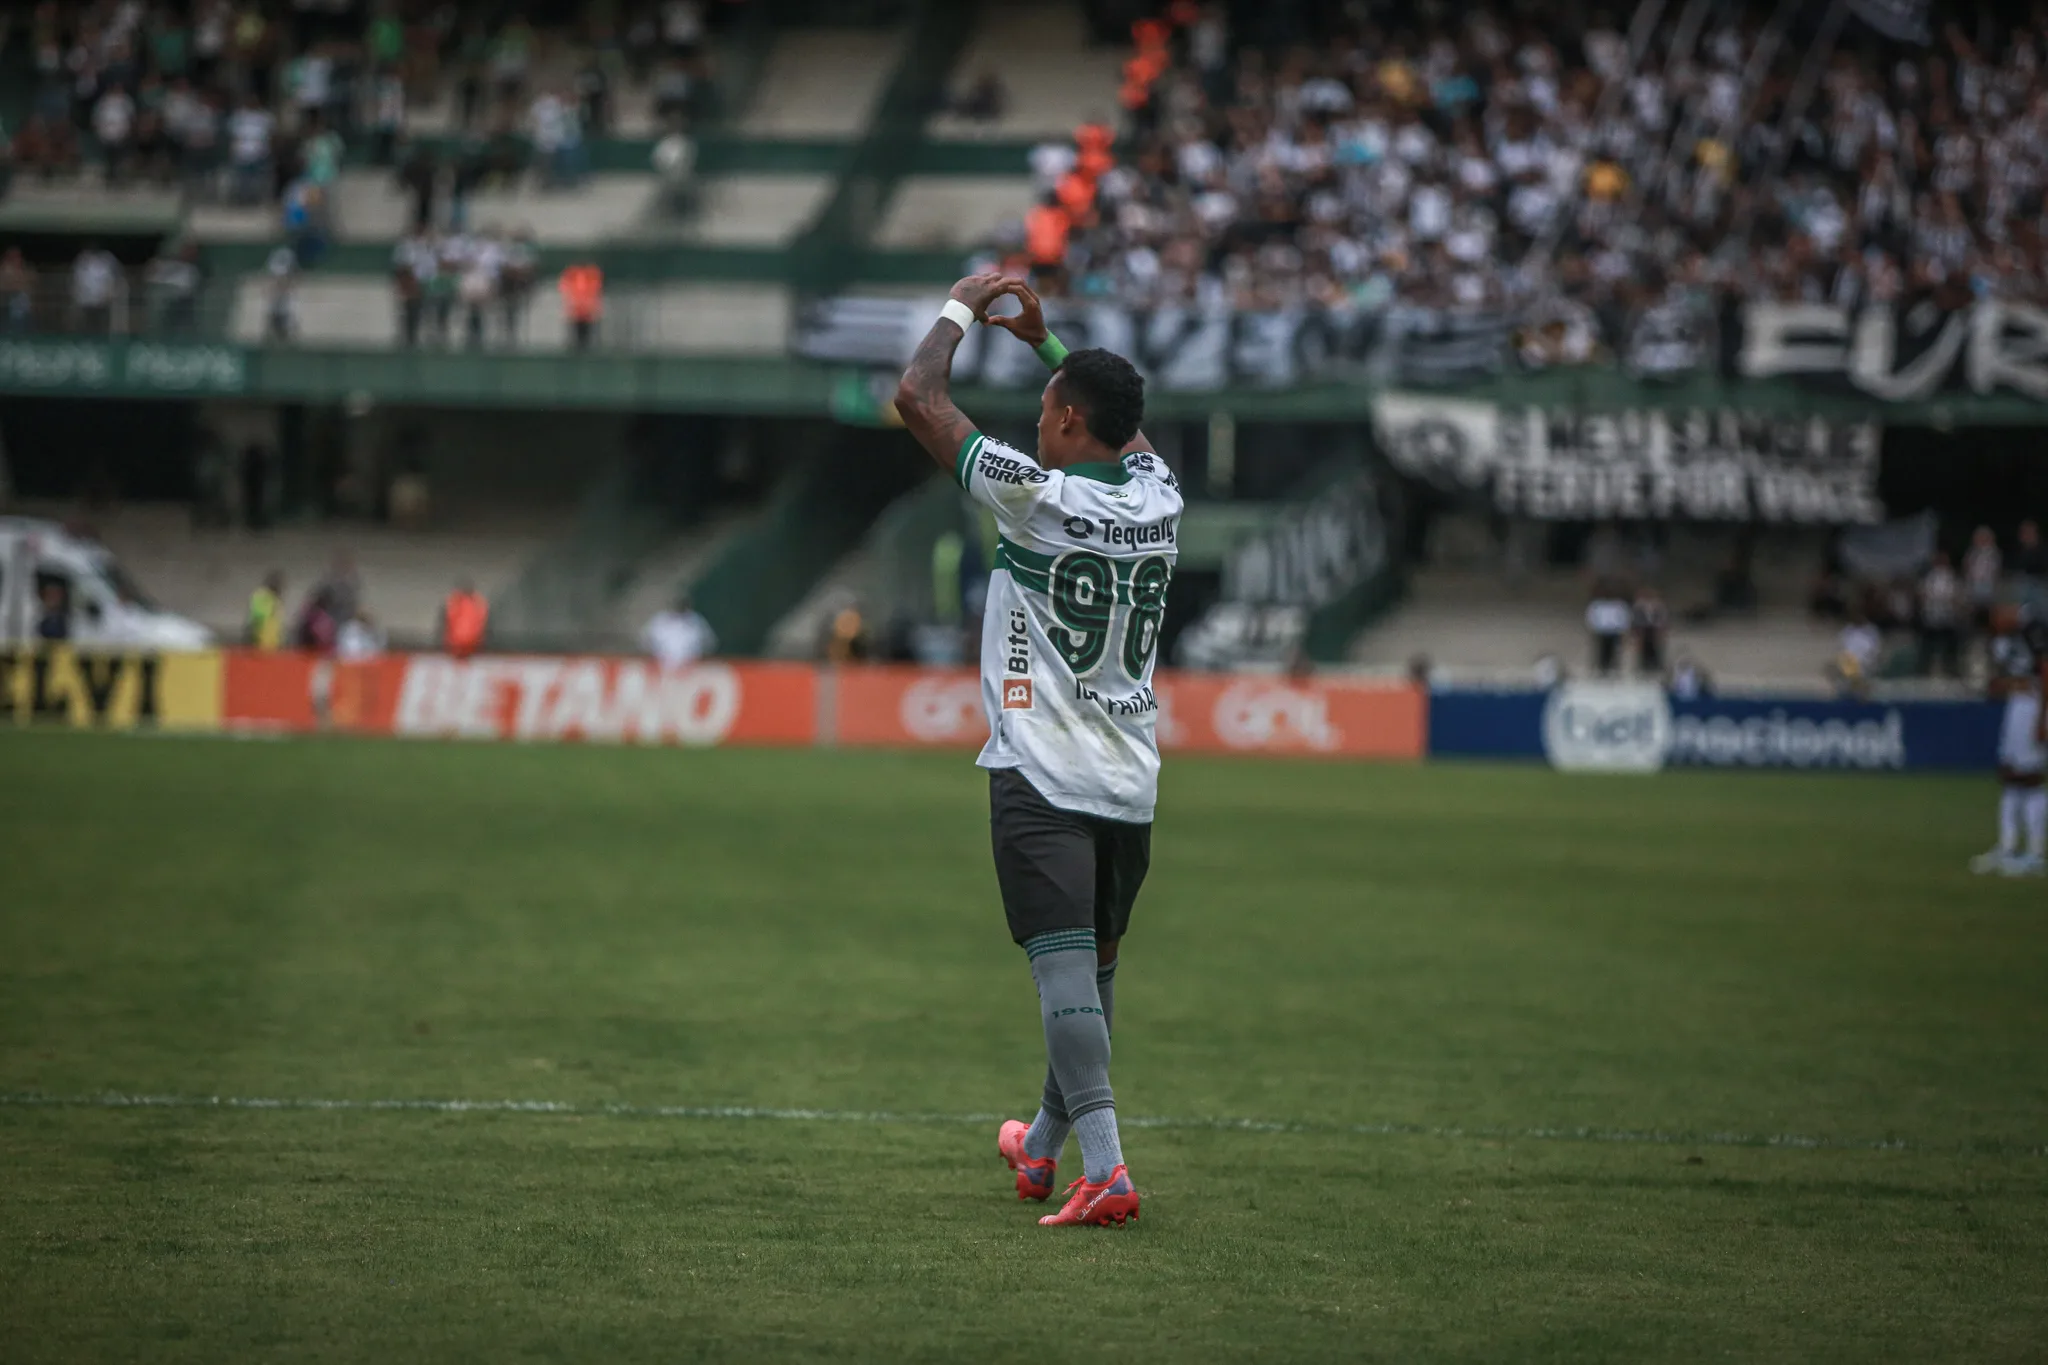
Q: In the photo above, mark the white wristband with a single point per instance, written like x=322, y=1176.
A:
x=958, y=313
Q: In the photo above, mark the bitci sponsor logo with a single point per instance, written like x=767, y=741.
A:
x=1017, y=694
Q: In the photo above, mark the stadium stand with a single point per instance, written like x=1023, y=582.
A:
x=1464, y=612
x=404, y=574
x=1540, y=197
x=1049, y=76
x=824, y=83
x=959, y=212
x=1604, y=185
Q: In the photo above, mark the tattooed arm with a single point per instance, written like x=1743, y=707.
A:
x=922, y=397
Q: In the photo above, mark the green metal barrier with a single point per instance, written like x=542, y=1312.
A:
x=818, y=515
x=568, y=594
x=899, y=583
x=1336, y=623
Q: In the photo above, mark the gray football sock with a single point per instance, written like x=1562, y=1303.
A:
x=1077, y=1041
x=1101, y=1151
x=1048, y=1135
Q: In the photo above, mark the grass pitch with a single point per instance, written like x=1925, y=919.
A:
x=1530, y=1037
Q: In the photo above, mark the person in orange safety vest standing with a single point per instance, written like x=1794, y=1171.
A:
x=464, y=615
x=582, y=288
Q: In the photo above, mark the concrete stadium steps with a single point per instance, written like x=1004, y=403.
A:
x=632, y=105
x=742, y=209
x=958, y=211
x=206, y=223
x=822, y=83
x=677, y=319
x=752, y=210
x=87, y=204
x=405, y=574
x=717, y=319
x=673, y=568
x=370, y=207
x=1054, y=78
x=1476, y=620
x=800, y=634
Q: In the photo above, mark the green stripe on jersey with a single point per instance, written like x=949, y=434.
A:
x=1032, y=569
x=965, y=459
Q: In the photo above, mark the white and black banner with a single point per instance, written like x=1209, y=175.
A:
x=1900, y=353
x=1903, y=352
x=1680, y=464
x=1178, y=348
x=1903, y=21
x=1304, y=559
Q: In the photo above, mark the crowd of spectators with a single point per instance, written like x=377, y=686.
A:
x=1927, y=619
x=479, y=281
x=244, y=98
x=237, y=99
x=1490, y=158
x=99, y=295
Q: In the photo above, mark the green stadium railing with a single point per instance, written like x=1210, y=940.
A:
x=625, y=263
x=724, y=152
x=173, y=367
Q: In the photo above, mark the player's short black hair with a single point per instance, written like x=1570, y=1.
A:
x=1108, y=390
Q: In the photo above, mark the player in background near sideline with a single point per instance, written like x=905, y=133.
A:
x=1088, y=546
x=2019, y=665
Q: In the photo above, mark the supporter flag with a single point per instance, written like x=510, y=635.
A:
x=1904, y=21
x=865, y=400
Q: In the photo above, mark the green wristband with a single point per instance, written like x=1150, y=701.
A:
x=1051, y=350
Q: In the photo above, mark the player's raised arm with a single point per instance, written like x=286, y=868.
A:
x=923, y=397
x=1029, y=327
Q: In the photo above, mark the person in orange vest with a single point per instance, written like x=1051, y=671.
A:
x=1045, y=234
x=1077, y=196
x=582, y=288
x=463, y=618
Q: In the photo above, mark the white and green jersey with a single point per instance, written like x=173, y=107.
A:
x=1072, y=623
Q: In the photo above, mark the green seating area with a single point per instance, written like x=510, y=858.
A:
x=764, y=206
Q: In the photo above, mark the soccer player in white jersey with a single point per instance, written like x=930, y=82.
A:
x=2019, y=665
x=1089, y=535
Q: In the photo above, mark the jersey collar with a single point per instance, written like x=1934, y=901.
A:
x=1102, y=471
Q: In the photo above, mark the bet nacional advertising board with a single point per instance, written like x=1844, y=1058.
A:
x=1638, y=727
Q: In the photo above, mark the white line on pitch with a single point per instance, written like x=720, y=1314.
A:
x=719, y=1111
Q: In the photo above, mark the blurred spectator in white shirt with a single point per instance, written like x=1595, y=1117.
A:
x=1982, y=565
x=1941, y=608
x=1856, y=654
x=96, y=286
x=358, y=639
x=678, y=636
x=1608, y=618
x=250, y=129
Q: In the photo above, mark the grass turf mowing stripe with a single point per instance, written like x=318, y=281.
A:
x=1652, y=1137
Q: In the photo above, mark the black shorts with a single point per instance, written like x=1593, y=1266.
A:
x=1061, y=870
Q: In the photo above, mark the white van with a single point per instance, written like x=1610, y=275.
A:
x=45, y=568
